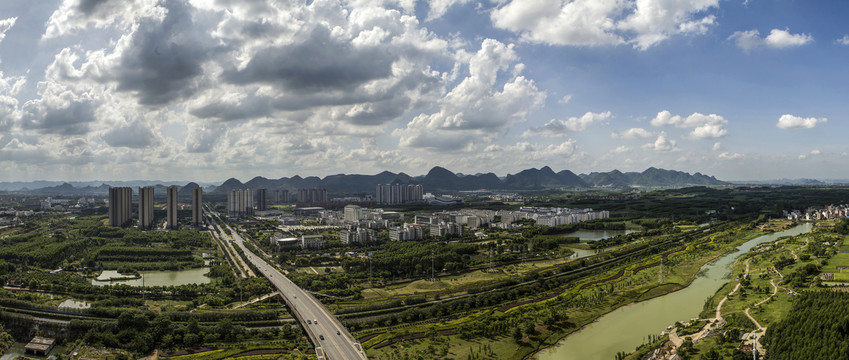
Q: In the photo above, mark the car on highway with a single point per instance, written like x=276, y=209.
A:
x=315, y=321
x=309, y=321
x=338, y=333
x=321, y=337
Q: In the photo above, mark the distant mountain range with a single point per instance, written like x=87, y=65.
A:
x=33, y=185
x=437, y=179
x=441, y=179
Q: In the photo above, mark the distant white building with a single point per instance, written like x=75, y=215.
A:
x=406, y=233
x=312, y=241
x=445, y=228
x=353, y=213
x=355, y=235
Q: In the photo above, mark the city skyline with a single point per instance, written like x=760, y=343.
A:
x=741, y=90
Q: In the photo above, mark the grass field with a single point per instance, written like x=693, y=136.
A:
x=457, y=282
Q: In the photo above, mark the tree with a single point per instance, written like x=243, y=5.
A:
x=517, y=334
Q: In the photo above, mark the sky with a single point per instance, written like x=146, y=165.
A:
x=206, y=90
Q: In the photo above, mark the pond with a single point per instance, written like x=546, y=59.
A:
x=625, y=328
x=157, y=278
x=596, y=235
x=19, y=349
x=74, y=304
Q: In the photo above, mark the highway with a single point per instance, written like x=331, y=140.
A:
x=331, y=339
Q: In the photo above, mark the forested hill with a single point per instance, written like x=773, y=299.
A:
x=437, y=179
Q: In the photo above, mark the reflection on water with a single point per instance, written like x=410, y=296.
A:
x=160, y=278
x=624, y=328
x=19, y=350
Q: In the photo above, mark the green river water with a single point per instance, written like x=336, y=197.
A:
x=625, y=328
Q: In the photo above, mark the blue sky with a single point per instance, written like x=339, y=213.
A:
x=211, y=89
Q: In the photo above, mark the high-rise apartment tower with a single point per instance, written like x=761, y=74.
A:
x=145, y=207
x=197, y=206
x=120, y=205
x=171, y=206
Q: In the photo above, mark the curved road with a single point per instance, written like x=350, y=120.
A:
x=332, y=340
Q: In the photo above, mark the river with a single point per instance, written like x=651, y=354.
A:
x=625, y=328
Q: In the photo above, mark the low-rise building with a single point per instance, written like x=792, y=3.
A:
x=407, y=232
x=312, y=241
x=445, y=228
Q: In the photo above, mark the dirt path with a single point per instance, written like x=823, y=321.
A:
x=261, y=298
x=761, y=328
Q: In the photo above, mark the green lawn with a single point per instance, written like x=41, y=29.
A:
x=841, y=259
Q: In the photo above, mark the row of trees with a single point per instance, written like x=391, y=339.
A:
x=817, y=327
x=137, y=331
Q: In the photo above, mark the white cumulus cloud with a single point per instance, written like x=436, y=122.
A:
x=788, y=121
x=5, y=25
x=557, y=127
x=709, y=126
x=632, y=133
x=777, y=39
x=641, y=23
x=729, y=156
x=475, y=109
x=708, y=131
x=662, y=144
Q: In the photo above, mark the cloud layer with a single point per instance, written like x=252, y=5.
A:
x=215, y=89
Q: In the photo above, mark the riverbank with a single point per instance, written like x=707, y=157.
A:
x=746, y=305
x=689, y=269
x=571, y=310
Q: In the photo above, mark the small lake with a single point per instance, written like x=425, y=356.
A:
x=19, y=349
x=74, y=304
x=158, y=278
x=625, y=328
x=596, y=235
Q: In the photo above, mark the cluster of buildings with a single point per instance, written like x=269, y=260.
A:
x=819, y=213
x=351, y=214
x=121, y=202
x=550, y=216
x=245, y=202
x=398, y=193
x=355, y=234
x=407, y=232
x=359, y=224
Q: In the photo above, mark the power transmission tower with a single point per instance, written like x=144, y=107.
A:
x=661, y=269
x=755, y=347
x=490, y=259
x=432, y=277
